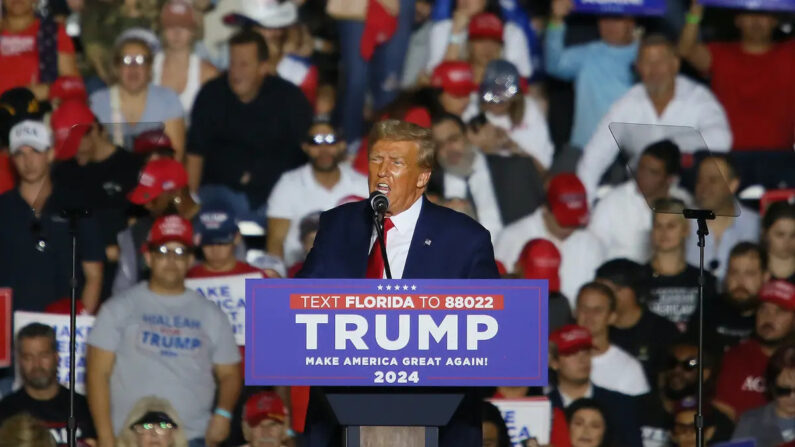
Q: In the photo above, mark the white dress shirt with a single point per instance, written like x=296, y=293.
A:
x=693, y=105
x=581, y=253
x=618, y=371
x=398, y=239
x=482, y=190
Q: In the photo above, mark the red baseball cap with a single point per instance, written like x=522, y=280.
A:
x=540, y=259
x=70, y=122
x=152, y=141
x=159, y=176
x=485, y=26
x=171, y=228
x=454, y=77
x=178, y=13
x=69, y=87
x=571, y=339
x=567, y=200
x=779, y=292
x=264, y=405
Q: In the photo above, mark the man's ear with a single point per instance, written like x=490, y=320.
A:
x=423, y=179
x=148, y=258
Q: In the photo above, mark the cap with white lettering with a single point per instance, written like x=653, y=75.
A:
x=30, y=133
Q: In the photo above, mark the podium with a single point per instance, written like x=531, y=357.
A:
x=395, y=362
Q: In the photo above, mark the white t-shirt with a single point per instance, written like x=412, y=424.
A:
x=693, y=105
x=482, y=190
x=516, y=49
x=622, y=221
x=581, y=253
x=618, y=371
x=297, y=194
x=532, y=134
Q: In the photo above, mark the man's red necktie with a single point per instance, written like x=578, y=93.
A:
x=375, y=263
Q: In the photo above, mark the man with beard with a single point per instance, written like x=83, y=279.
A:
x=41, y=395
x=162, y=189
x=318, y=185
x=730, y=319
x=741, y=384
x=465, y=171
x=679, y=381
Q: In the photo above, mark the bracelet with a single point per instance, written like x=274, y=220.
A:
x=458, y=39
x=692, y=19
x=223, y=413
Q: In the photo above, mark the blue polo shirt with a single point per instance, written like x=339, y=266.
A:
x=38, y=273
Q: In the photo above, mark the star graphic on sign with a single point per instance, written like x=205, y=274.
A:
x=380, y=287
x=405, y=287
x=388, y=287
x=413, y=287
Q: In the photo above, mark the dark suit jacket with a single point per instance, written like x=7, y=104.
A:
x=621, y=413
x=446, y=245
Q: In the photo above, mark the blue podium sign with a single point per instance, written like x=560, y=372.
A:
x=365, y=332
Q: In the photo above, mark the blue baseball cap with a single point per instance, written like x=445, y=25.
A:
x=216, y=226
x=500, y=82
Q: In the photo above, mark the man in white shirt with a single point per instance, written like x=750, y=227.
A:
x=316, y=186
x=663, y=98
x=561, y=220
x=622, y=219
x=612, y=367
x=466, y=172
x=716, y=184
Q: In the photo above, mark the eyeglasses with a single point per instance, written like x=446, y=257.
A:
x=688, y=364
x=163, y=250
x=322, y=138
x=158, y=428
x=134, y=59
x=783, y=391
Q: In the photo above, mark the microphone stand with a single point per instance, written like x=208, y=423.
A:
x=378, y=220
x=73, y=215
x=701, y=217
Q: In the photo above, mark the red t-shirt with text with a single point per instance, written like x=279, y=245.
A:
x=19, y=55
x=758, y=93
x=741, y=383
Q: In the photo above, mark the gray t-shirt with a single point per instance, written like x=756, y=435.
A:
x=165, y=346
x=162, y=104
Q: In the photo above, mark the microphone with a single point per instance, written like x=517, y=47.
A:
x=379, y=202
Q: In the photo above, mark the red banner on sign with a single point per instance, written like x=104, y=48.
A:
x=5, y=327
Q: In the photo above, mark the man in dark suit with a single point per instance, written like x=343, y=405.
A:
x=422, y=240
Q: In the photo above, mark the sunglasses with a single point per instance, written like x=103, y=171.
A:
x=689, y=364
x=684, y=428
x=134, y=60
x=163, y=250
x=783, y=390
x=158, y=428
x=322, y=138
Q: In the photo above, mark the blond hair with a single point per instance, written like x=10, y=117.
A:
x=23, y=430
x=144, y=405
x=396, y=130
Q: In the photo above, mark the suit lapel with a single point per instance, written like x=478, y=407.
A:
x=360, y=231
x=421, y=242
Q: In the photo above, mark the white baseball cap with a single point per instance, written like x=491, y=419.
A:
x=265, y=13
x=30, y=133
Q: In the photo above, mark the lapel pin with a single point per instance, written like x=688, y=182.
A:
x=428, y=242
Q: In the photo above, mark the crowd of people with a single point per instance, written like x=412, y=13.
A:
x=159, y=132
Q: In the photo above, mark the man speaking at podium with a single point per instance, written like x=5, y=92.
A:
x=422, y=240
